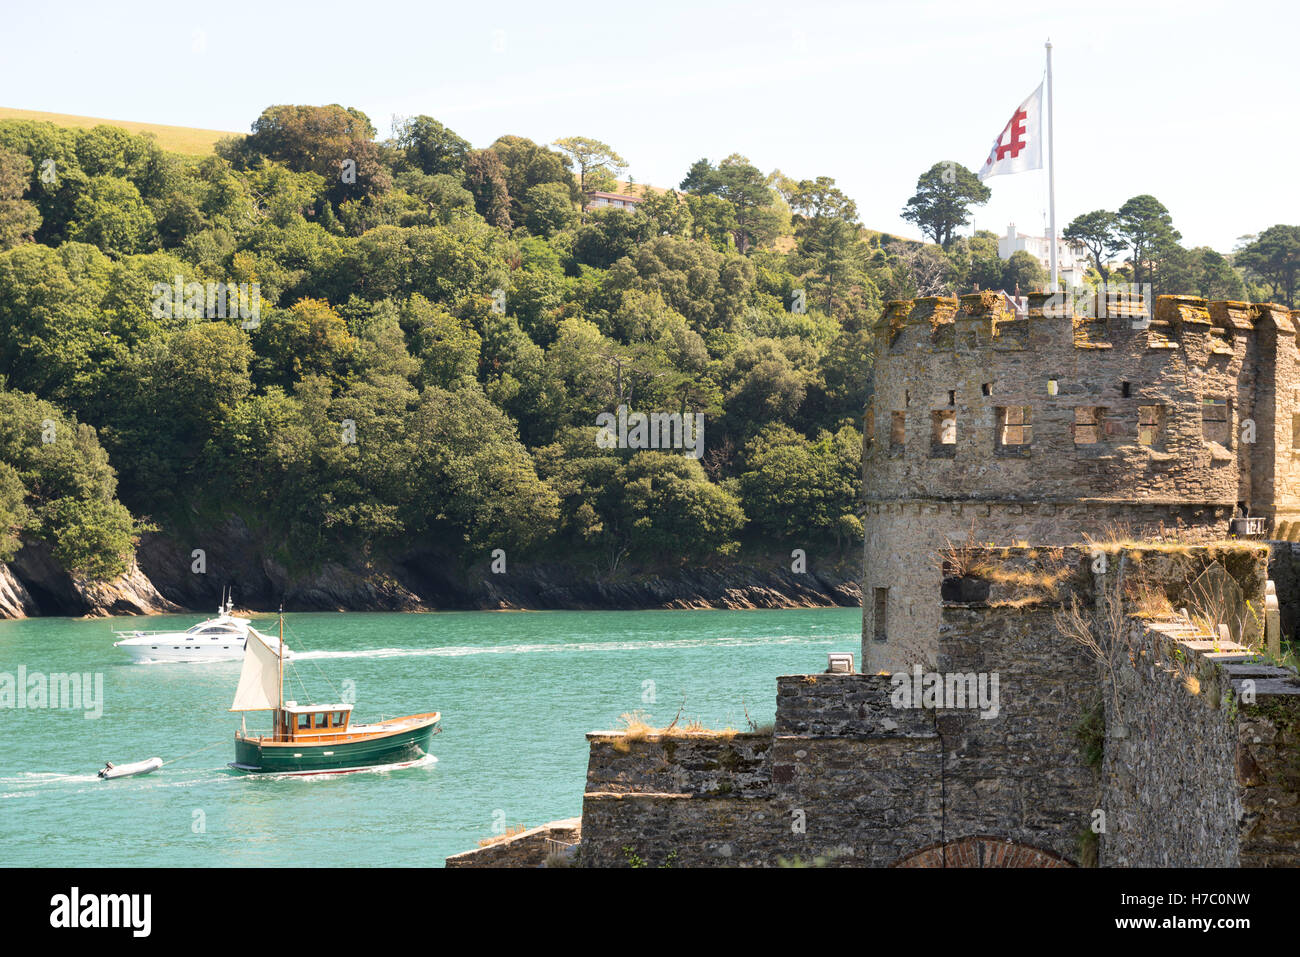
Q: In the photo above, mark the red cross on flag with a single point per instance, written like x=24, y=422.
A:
x=1020, y=145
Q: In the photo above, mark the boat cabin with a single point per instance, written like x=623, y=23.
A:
x=299, y=721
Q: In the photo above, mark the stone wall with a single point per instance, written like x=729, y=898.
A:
x=685, y=763
x=968, y=359
x=679, y=800
x=1022, y=774
x=851, y=776
x=865, y=778
x=529, y=848
x=1196, y=774
x=1284, y=572
x=848, y=780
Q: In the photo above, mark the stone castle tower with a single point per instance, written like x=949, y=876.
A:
x=1040, y=427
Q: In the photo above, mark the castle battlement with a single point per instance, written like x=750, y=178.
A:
x=1115, y=319
x=1065, y=417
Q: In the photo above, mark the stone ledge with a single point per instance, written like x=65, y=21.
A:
x=526, y=849
x=638, y=796
x=1236, y=662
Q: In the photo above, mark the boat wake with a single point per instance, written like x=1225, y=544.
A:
x=34, y=783
x=28, y=782
x=460, y=651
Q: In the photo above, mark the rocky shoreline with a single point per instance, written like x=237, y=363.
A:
x=162, y=578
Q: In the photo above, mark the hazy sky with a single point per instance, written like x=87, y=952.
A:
x=1192, y=102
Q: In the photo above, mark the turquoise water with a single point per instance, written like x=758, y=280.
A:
x=517, y=692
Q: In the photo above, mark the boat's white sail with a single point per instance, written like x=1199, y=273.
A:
x=259, y=681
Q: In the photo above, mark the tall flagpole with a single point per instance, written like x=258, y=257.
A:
x=1051, y=168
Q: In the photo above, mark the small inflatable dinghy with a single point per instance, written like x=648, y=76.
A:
x=112, y=770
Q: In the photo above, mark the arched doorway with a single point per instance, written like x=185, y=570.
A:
x=981, y=851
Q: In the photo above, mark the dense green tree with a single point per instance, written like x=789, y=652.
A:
x=1097, y=232
x=1274, y=256
x=802, y=490
x=314, y=139
x=111, y=215
x=766, y=381
x=672, y=509
x=1146, y=228
x=713, y=220
x=309, y=338
x=70, y=489
x=432, y=148
x=1202, y=272
x=592, y=158
x=549, y=209
x=470, y=471
x=668, y=213
x=446, y=347
x=14, y=514
x=458, y=265
x=178, y=391
x=525, y=165
x=944, y=195
x=1023, y=272
x=830, y=245
x=485, y=177
x=443, y=194
x=608, y=236
x=974, y=262
x=19, y=217
x=744, y=188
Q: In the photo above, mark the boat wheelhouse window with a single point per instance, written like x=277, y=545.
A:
x=204, y=629
x=322, y=721
x=339, y=719
x=303, y=721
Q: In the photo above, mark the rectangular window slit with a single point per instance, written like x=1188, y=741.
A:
x=1015, y=428
x=943, y=431
x=1087, y=425
x=1215, y=421
x=1151, y=425
x=880, y=612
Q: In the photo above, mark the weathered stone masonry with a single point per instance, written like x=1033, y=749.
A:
x=1045, y=428
x=1193, y=774
x=847, y=778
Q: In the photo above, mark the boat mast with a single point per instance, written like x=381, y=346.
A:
x=280, y=711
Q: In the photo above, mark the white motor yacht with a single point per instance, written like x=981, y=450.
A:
x=217, y=639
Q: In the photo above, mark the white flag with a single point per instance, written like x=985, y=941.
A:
x=1020, y=145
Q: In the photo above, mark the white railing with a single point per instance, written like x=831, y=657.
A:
x=1249, y=527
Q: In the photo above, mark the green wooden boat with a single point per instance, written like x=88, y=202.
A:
x=316, y=738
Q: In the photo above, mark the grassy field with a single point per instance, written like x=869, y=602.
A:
x=179, y=139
